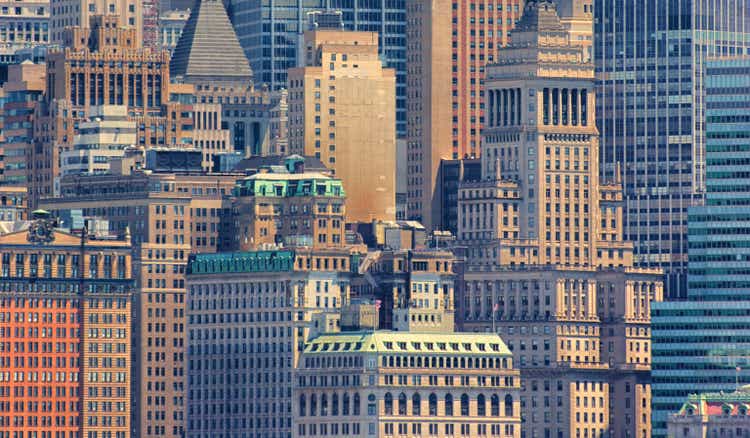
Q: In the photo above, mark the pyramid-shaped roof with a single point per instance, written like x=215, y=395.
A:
x=208, y=48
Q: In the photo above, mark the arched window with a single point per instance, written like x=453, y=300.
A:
x=345, y=404
x=388, y=403
x=323, y=405
x=433, y=405
x=508, y=405
x=495, y=405
x=355, y=408
x=335, y=405
x=302, y=405
x=416, y=404
x=448, y=405
x=481, y=405
x=464, y=405
x=313, y=405
x=402, y=404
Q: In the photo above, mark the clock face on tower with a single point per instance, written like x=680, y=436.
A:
x=41, y=231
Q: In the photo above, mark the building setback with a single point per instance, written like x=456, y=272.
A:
x=547, y=266
x=699, y=343
x=650, y=113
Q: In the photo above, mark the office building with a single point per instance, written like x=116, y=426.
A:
x=699, y=343
x=248, y=317
x=101, y=138
x=253, y=120
x=650, y=110
x=713, y=414
x=286, y=205
x=23, y=91
x=24, y=24
x=13, y=203
x=95, y=69
x=383, y=383
x=480, y=27
x=341, y=109
x=171, y=213
x=429, y=103
x=65, y=319
x=414, y=286
x=547, y=266
x=78, y=13
x=272, y=36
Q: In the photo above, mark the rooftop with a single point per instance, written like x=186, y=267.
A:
x=241, y=262
x=209, y=48
x=384, y=341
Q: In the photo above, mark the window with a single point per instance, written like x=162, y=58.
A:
x=355, y=408
x=508, y=405
x=302, y=405
x=416, y=402
x=402, y=404
x=433, y=405
x=481, y=405
x=464, y=405
x=448, y=405
x=495, y=405
x=388, y=403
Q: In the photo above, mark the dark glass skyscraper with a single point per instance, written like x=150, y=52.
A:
x=703, y=344
x=271, y=30
x=650, y=56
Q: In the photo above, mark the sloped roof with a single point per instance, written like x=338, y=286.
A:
x=209, y=48
x=385, y=341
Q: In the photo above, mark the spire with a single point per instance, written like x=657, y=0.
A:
x=208, y=49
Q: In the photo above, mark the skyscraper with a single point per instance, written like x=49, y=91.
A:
x=547, y=266
x=649, y=69
x=429, y=101
x=272, y=32
x=341, y=110
x=480, y=28
x=699, y=343
x=446, y=122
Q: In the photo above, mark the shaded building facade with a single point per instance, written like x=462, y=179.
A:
x=698, y=344
x=650, y=113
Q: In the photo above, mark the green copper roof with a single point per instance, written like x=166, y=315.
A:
x=289, y=185
x=241, y=262
x=390, y=342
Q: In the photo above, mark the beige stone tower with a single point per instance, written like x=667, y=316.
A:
x=548, y=267
x=429, y=104
x=342, y=109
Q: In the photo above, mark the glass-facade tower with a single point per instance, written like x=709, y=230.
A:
x=270, y=32
x=698, y=344
x=649, y=57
